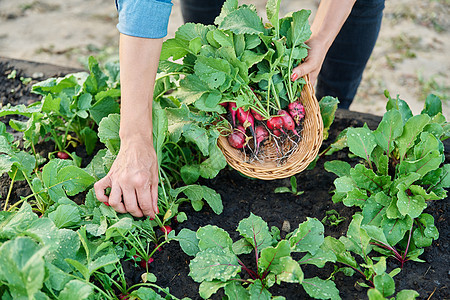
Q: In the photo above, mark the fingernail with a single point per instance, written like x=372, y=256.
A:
x=294, y=76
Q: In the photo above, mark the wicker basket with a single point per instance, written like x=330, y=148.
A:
x=308, y=147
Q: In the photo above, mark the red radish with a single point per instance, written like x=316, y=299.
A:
x=261, y=134
x=276, y=132
x=237, y=139
x=106, y=203
x=288, y=122
x=233, y=112
x=166, y=229
x=275, y=122
x=62, y=155
x=224, y=104
x=246, y=118
x=144, y=264
x=124, y=297
x=241, y=129
x=297, y=111
x=257, y=115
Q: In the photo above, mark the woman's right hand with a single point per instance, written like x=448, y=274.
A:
x=133, y=179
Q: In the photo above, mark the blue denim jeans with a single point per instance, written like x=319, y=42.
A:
x=201, y=11
x=346, y=59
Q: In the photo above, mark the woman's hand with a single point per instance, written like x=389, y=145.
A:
x=330, y=17
x=313, y=62
x=133, y=180
x=133, y=177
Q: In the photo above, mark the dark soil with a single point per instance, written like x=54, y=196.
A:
x=241, y=195
x=16, y=89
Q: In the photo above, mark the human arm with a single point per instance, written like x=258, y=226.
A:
x=133, y=177
x=330, y=17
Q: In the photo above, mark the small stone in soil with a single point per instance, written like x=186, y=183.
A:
x=286, y=226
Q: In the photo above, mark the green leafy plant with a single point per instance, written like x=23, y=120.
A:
x=401, y=171
x=293, y=190
x=373, y=269
x=328, y=106
x=56, y=180
x=35, y=256
x=70, y=109
x=333, y=218
x=73, y=252
x=217, y=265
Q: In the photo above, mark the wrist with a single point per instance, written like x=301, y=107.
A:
x=136, y=125
x=321, y=39
x=136, y=135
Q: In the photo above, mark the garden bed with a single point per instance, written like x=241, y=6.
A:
x=241, y=196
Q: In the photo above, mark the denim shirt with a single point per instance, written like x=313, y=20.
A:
x=144, y=18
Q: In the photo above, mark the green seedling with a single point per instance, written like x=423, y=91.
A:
x=333, y=218
x=293, y=190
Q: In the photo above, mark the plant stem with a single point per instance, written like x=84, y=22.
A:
x=40, y=203
x=67, y=130
x=10, y=190
x=91, y=284
x=360, y=272
x=250, y=272
x=259, y=107
x=169, y=74
x=181, y=150
x=268, y=95
x=277, y=99
x=58, y=144
x=161, y=173
x=407, y=246
x=24, y=199
x=396, y=254
x=240, y=280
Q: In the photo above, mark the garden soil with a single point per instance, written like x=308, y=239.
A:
x=242, y=195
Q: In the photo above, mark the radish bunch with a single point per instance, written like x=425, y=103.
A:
x=283, y=125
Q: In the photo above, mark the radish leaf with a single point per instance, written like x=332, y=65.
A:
x=361, y=142
x=307, y=237
x=214, y=263
x=208, y=288
x=242, y=20
x=75, y=289
x=212, y=236
x=188, y=241
x=255, y=231
x=321, y=289
x=390, y=128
